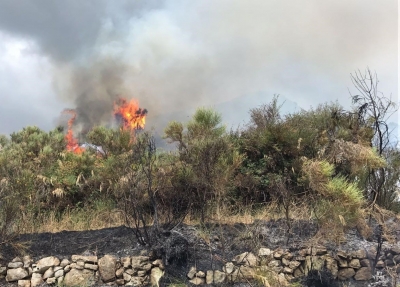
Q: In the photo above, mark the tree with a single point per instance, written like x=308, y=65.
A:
x=373, y=110
x=207, y=159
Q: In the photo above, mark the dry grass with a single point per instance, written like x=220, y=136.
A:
x=73, y=220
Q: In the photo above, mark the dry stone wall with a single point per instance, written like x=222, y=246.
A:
x=270, y=266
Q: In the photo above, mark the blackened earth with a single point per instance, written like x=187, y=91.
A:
x=207, y=247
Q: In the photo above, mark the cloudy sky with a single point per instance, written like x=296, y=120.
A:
x=176, y=55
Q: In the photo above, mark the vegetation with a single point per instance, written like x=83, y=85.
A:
x=335, y=162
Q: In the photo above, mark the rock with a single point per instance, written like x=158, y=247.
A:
x=107, y=266
x=396, y=259
x=24, y=283
x=146, y=267
x=365, y=262
x=332, y=266
x=246, y=258
x=342, y=254
x=141, y=273
x=3, y=270
x=197, y=281
x=120, y=282
x=138, y=261
x=78, y=278
x=85, y=259
x=155, y=276
x=60, y=280
x=318, y=250
x=126, y=277
x=158, y=263
x=27, y=260
x=36, y=279
x=278, y=254
x=59, y=273
x=120, y=271
x=264, y=252
x=80, y=264
x=130, y=271
x=355, y=263
x=91, y=266
x=246, y=272
x=313, y=263
x=345, y=273
x=126, y=262
x=209, y=277
x=363, y=274
x=48, y=273
x=285, y=262
x=395, y=250
x=16, y=274
x=191, y=273
x=294, y=264
x=389, y=262
x=67, y=268
x=64, y=262
x=380, y=264
x=17, y=259
x=298, y=273
x=219, y=277
x=287, y=270
x=287, y=255
x=342, y=262
x=51, y=280
x=229, y=268
x=135, y=281
x=359, y=254
x=15, y=265
x=47, y=262
x=200, y=274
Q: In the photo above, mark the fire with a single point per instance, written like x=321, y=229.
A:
x=72, y=143
x=132, y=116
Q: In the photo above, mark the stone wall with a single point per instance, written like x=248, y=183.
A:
x=268, y=265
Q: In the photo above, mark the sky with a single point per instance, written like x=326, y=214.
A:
x=176, y=55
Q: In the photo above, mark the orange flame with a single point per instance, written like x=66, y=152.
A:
x=72, y=143
x=132, y=116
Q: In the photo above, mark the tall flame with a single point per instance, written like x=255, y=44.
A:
x=132, y=116
x=72, y=143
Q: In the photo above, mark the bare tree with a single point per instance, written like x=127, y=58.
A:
x=373, y=111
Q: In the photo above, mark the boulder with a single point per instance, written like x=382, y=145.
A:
x=355, y=263
x=345, y=273
x=48, y=273
x=363, y=274
x=16, y=274
x=246, y=258
x=27, y=260
x=45, y=263
x=137, y=262
x=219, y=277
x=197, y=281
x=24, y=283
x=78, y=278
x=15, y=265
x=107, y=267
x=86, y=259
x=192, y=272
x=36, y=279
x=155, y=276
x=263, y=252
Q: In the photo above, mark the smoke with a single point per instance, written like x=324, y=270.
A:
x=177, y=55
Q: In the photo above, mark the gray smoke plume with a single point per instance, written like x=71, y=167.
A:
x=177, y=55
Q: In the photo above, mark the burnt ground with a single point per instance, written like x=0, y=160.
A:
x=209, y=246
